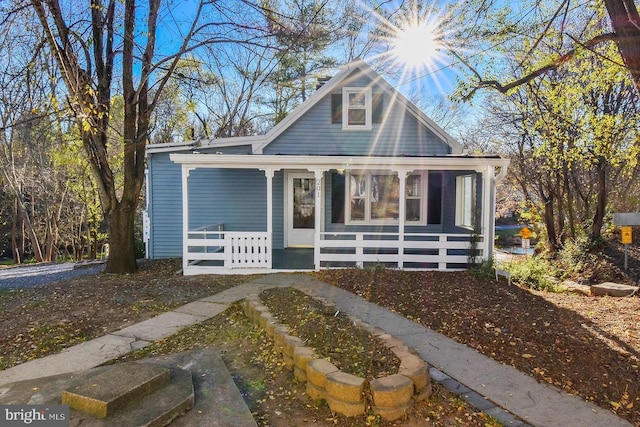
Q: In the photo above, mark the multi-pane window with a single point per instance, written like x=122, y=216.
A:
x=375, y=198
x=414, y=198
x=356, y=108
x=358, y=197
x=385, y=197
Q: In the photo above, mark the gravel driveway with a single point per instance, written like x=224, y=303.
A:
x=25, y=276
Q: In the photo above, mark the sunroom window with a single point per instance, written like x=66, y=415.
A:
x=414, y=198
x=465, y=200
x=374, y=198
x=356, y=111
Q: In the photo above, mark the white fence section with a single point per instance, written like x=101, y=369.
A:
x=213, y=249
x=211, y=246
x=416, y=251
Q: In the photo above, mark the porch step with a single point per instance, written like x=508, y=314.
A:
x=105, y=393
x=198, y=379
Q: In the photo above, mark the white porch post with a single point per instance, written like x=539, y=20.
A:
x=488, y=209
x=185, y=215
x=269, y=172
x=402, y=200
x=318, y=174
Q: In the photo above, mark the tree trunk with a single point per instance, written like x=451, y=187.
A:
x=122, y=257
x=601, y=201
x=549, y=221
x=15, y=248
x=625, y=21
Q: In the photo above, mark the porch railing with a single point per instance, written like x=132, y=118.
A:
x=417, y=250
x=213, y=247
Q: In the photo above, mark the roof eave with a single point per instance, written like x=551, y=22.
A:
x=276, y=162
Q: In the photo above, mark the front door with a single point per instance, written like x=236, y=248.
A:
x=301, y=209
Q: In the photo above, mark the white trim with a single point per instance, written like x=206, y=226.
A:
x=253, y=141
x=368, y=117
x=288, y=209
x=185, y=216
x=461, y=202
x=269, y=172
x=244, y=161
x=488, y=215
x=402, y=201
x=319, y=191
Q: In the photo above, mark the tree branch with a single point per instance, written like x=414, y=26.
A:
x=554, y=64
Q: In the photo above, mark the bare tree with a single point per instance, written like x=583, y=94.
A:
x=107, y=40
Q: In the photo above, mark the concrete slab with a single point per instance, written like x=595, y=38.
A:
x=79, y=357
x=155, y=409
x=202, y=309
x=218, y=402
x=240, y=292
x=232, y=295
x=103, y=394
x=613, y=289
x=159, y=327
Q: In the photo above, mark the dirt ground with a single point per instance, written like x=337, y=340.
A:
x=588, y=346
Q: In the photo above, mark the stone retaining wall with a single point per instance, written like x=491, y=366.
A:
x=390, y=397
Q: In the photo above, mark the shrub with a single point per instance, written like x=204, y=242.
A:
x=139, y=249
x=534, y=272
x=484, y=269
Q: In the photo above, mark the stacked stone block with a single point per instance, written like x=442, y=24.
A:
x=301, y=357
x=345, y=393
x=317, y=371
x=391, y=397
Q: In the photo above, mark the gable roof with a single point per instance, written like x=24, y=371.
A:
x=259, y=142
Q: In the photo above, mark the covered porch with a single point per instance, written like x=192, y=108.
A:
x=212, y=248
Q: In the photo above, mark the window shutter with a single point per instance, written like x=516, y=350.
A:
x=337, y=198
x=377, y=105
x=336, y=108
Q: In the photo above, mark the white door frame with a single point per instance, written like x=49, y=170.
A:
x=289, y=239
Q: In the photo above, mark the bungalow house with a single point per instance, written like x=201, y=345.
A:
x=355, y=176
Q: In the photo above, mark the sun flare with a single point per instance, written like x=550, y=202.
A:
x=416, y=46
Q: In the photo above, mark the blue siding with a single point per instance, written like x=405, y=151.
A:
x=399, y=134
x=165, y=206
x=236, y=198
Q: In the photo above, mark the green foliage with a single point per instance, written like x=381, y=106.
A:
x=534, y=272
x=139, y=249
x=484, y=269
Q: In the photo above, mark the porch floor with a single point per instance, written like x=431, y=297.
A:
x=293, y=259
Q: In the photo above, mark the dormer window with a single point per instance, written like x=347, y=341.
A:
x=356, y=111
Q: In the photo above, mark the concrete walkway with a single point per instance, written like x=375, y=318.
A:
x=498, y=390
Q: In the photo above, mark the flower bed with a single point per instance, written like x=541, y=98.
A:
x=387, y=389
